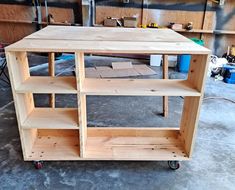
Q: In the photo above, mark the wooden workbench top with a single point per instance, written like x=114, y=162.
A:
x=107, y=40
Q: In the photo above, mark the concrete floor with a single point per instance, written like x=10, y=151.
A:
x=212, y=166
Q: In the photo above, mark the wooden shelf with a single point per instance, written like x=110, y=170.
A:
x=41, y=84
x=134, y=144
x=194, y=31
x=229, y=32
x=138, y=87
x=52, y=118
x=34, y=22
x=55, y=145
x=201, y=31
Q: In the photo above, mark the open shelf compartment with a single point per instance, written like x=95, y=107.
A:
x=52, y=118
x=47, y=144
x=43, y=84
x=134, y=144
x=23, y=82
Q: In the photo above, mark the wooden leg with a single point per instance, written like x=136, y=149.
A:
x=190, y=116
x=165, y=76
x=18, y=69
x=80, y=77
x=51, y=70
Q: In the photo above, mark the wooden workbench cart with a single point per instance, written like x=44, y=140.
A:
x=62, y=134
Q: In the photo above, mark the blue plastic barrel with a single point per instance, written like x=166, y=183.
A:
x=184, y=63
x=184, y=60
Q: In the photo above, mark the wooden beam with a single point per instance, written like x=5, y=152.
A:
x=51, y=71
x=81, y=99
x=191, y=110
x=165, y=76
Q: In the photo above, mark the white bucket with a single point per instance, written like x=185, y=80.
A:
x=155, y=60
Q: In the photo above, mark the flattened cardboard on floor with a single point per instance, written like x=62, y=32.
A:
x=122, y=65
x=91, y=72
x=144, y=70
x=108, y=72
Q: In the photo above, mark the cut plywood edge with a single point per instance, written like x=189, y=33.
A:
x=108, y=72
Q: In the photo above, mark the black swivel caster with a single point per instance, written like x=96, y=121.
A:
x=174, y=165
x=38, y=164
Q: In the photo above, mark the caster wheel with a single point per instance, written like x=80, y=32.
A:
x=38, y=165
x=174, y=165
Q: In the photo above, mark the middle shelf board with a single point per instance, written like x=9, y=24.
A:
x=44, y=84
x=52, y=118
x=138, y=87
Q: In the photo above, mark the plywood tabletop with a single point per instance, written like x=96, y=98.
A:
x=107, y=34
x=107, y=40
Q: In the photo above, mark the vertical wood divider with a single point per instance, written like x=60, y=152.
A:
x=191, y=110
x=81, y=98
x=51, y=71
x=165, y=76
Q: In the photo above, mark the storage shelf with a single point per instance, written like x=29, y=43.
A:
x=135, y=145
x=42, y=84
x=55, y=145
x=52, y=118
x=229, y=32
x=194, y=31
x=138, y=87
x=62, y=133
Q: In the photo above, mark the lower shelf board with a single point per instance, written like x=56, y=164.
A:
x=105, y=144
x=55, y=145
x=135, y=148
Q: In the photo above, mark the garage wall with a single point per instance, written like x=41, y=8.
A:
x=204, y=14
x=16, y=16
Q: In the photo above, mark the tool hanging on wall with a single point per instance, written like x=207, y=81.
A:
x=153, y=25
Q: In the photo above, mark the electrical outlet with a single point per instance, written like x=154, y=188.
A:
x=126, y=1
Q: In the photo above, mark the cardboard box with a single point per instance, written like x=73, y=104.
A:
x=177, y=26
x=112, y=22
x=130, y=22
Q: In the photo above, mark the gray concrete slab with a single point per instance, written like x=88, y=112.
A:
x=212, y=166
